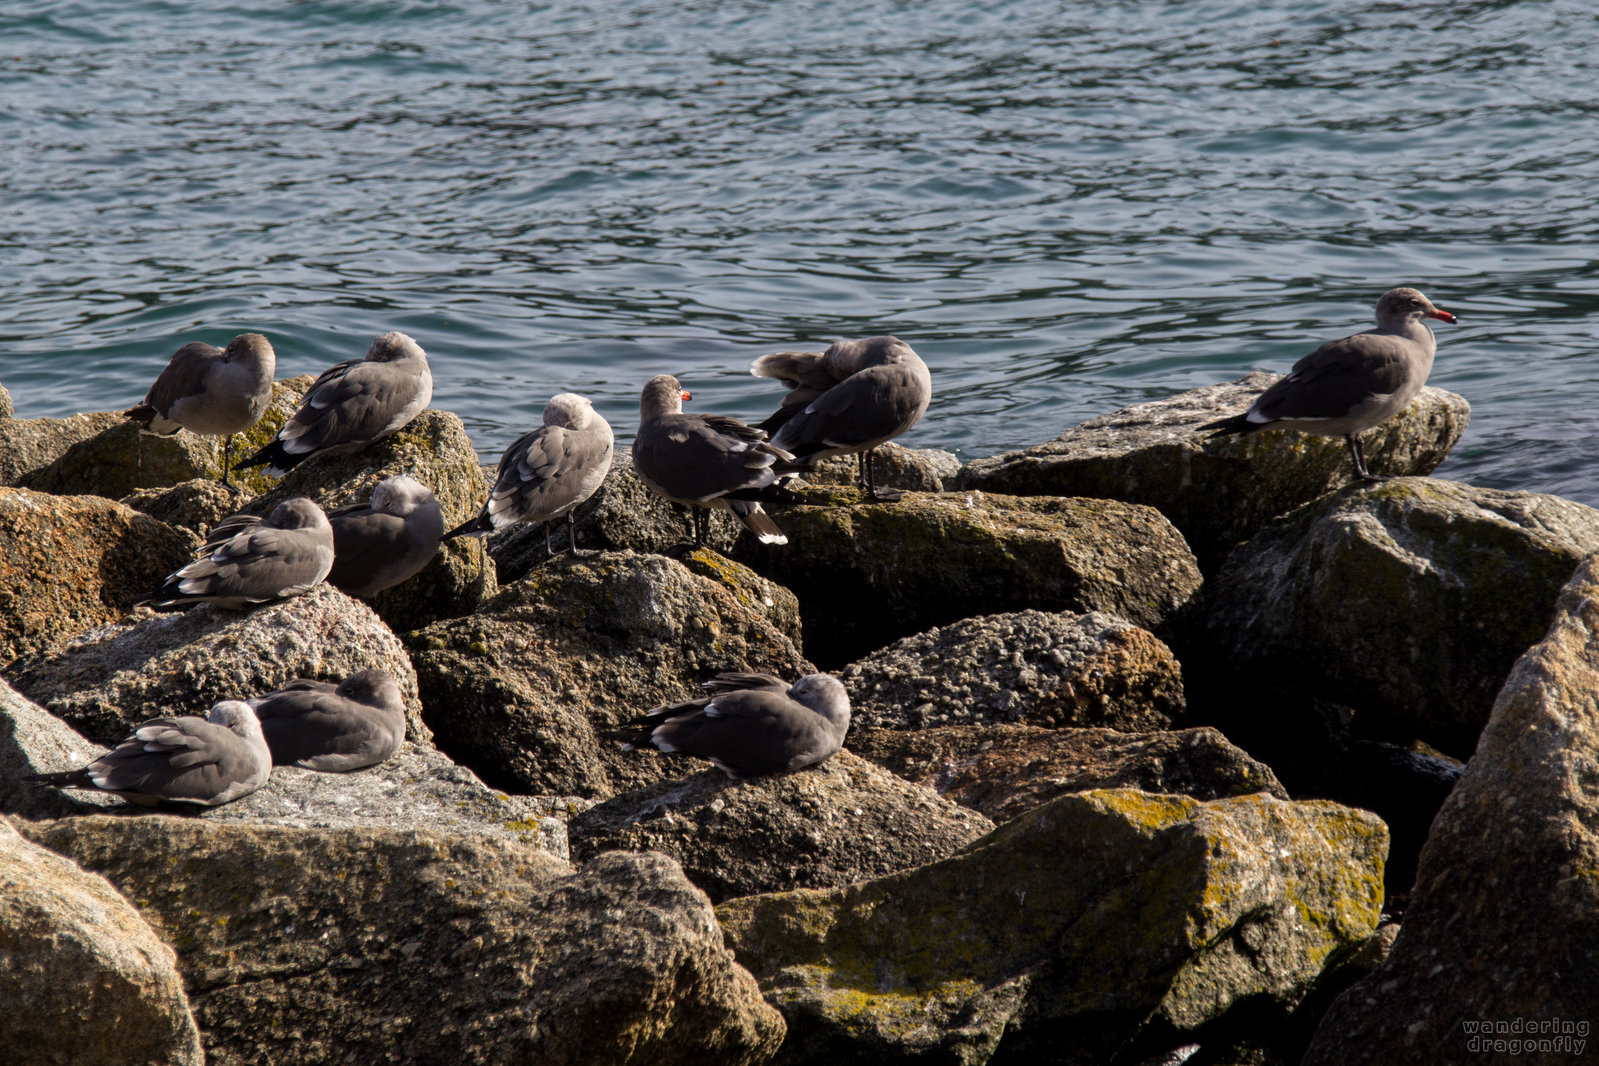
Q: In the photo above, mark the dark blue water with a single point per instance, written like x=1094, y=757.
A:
x=1066, y=207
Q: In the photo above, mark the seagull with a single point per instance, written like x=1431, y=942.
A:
x=353, y=404
x=388, y=539
x=706, y=461
x=355, y=724
x=755, y=724
x=202, y=761
x=846, y=401
x=545, y=474
x=248, y=561
x=1354, y=383
x=211, y=391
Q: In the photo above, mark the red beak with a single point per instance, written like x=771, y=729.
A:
x=1441, y=314
x=689, y=396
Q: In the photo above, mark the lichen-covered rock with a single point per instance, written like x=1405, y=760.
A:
x=1500, y=928
x=85, y=979
x=1028, y=667
x=28, y=445
x=528, y=691
x=845, y=820
x=34, y=741
x=1063, y=936
x=68, y=564
x=868, y=574
x=893, y=466
x=1005, y=771
x=109, y=680
x=1218, y=492
x=376, y=945
x=193, y=507
x=1407, y=601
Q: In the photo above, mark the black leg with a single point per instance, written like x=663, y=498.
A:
x=1357, y=452
x=884, y=495
x=227, y=463
x=571, y=535
x=549, y=551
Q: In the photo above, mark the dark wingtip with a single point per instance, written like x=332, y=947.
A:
x=471, y=525
x=143, y=414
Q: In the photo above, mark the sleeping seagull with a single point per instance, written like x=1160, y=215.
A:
x=706, y=461
x=353, y=404
x=545, y=474
x=846, y=401
x=1352, y=384
x=319, y=726
x=754, y=724
x=388, y=539
x=201, y=761
x=211, y=391
x=248, y=561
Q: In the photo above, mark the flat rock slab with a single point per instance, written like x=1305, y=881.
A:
x=34, y=741
x=842, y=821
x=1408, y=601
x=1097, y=924
x=869, y=574
x=115, y=677
x=1031, y=667
x=1495, y=961
x=1217, y=490
x=85, y=978
x=373, y=945
x=1006, y=771
x=70, y=563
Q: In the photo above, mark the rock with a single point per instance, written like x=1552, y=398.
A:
x=868, y=574
x=110, y=680
x=193, y=507
x=378, y=945
x=119, y=458
x=1029, y=666
x=1005, y=771
x=1093, y=925
x=1407, y=601
x=34, y=741
x=28, y=445
x=1497, y=944
x=1403, y=787
x=843, y=821
x=68, y=564
x=6, y=410
x=894, y=466
x=1218, y=493
x=527, y=690
x=85, y=977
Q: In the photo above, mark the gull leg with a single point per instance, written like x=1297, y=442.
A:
x=227, y=464
x=1358, y=452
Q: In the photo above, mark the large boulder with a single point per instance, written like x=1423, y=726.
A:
x=893, y=466
x=1099, y=924
x=868, y=574
x=843, y=821
x=530, y=690
x=1028, y=667
x=377, y=945
x=34, y=741
x=1407, y=601
x=28, y=445
x=68, y=564
x=1217, y=491
x=1004, y=771
x=84, y=978
x=193, y=507
x=1495, y=960
x=109, y=680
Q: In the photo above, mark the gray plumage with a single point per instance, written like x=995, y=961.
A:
x=200, y=761
x=388, y=539
x=1354, y=383
x=846, y=400
x=353, y=404
x=705, y=461
x=215, y=392
x=754, y=724
x=249, y=561
x=319, y=726
x=545, y=474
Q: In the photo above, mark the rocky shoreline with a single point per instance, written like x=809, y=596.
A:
x=1163, y=750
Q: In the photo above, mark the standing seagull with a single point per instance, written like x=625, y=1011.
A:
x=249, y=561
x=847, y=400
x=353, y=404
x=388, y=539
x=201, y=761
x=319, y=726
x=545, y=474
x=211, y=391
x=1352, y=384
x=706, y=461
x=754, y=724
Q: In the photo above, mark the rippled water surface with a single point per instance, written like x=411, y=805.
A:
x=1066, y=207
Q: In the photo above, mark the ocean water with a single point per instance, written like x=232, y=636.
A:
x=1066, y=207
